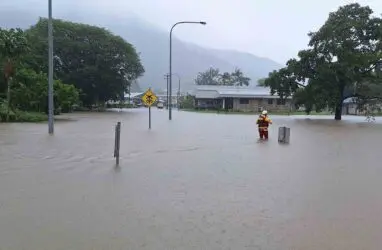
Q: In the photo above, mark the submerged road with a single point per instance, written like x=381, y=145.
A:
x=200, y=181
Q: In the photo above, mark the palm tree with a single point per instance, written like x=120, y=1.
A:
x=226, y=79
x=239, y=79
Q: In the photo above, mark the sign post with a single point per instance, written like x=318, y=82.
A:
x=149, y=98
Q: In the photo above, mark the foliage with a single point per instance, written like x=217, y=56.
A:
x=13, y=44
x=343, y=53
x=28, y=89
x=91, y=65
x=97, y=62
x=261, y=82
x=22, y=116
x=209, y=77
x=214, y=77
x=186, y=102
x=17, y=115
x=238, y=78
x=30, y=92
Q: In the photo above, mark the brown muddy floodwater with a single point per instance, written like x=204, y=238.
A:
x=200, y=181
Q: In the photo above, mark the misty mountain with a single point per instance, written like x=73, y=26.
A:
x=152, y=44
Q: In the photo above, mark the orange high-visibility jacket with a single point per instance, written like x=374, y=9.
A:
x=263, y=122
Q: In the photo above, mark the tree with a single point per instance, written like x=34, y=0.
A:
x=213, y=77
x=226, y=79
x=186, y=102
x=343, y=53
x=94, y=60
x=209, y=77
x=30, y=92
x=261, y=82
x=239, y=79
x=13, y=44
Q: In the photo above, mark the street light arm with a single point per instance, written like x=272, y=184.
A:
x=170, y=64
x=200, y=22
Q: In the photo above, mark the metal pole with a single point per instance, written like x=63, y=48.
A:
x=149, y=117
x=50, y=71
x=170, y=71
x=117, y=142
x=178, y=93
x=167, y=91
x=170, y=77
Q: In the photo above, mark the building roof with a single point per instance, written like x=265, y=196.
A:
x=350, y=100
x=133, y=94
x=212, y=92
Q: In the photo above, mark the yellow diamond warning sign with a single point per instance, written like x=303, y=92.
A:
x=149, y=98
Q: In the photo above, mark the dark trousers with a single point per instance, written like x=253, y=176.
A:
x=263, y=133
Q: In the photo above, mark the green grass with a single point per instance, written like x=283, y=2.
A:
x=23, y=116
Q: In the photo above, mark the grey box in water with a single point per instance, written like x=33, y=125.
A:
x=284, y=134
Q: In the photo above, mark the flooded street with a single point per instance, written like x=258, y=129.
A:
x=200, y=181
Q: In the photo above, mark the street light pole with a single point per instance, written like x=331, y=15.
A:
x=178, y=93
x=170, y=71
x=50, y=71
x=177, y=100
x=166, y=77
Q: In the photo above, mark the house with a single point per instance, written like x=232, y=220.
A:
x=235, y=98
x=134, y=97
x=351, y=106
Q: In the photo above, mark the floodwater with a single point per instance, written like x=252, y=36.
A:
x=200, y=181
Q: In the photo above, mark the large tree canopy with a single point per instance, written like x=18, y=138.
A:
x=13, y=44
x=24, y=88
x=97, y=62
x=340, y=62
x=91, y=64
x=214, y=77
x=30, y=92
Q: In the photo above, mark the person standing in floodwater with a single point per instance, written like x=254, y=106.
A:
x=263, y=123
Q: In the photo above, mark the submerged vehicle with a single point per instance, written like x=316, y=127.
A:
x=160, y=105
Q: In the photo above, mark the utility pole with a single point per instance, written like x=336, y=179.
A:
x=50, y=71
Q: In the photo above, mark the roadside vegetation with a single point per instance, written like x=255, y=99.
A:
x=91, y=66
x=343, y=60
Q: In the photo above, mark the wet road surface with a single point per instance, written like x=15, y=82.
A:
x=200, y=181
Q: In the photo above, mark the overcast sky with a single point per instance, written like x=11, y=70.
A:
x=276, y=29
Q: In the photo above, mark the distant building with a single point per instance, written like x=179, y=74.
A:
x=350, y=106
x=134, y=97
x=162, y=96
x=239, y=99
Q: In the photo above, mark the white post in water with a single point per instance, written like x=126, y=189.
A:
x=284, y=135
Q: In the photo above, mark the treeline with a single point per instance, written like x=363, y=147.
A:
x=344, y=59
x=91, y=66
x=213, y=76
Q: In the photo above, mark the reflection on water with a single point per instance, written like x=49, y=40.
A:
x=200, y=181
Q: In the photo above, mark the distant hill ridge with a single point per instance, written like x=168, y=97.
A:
x=152, y=44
